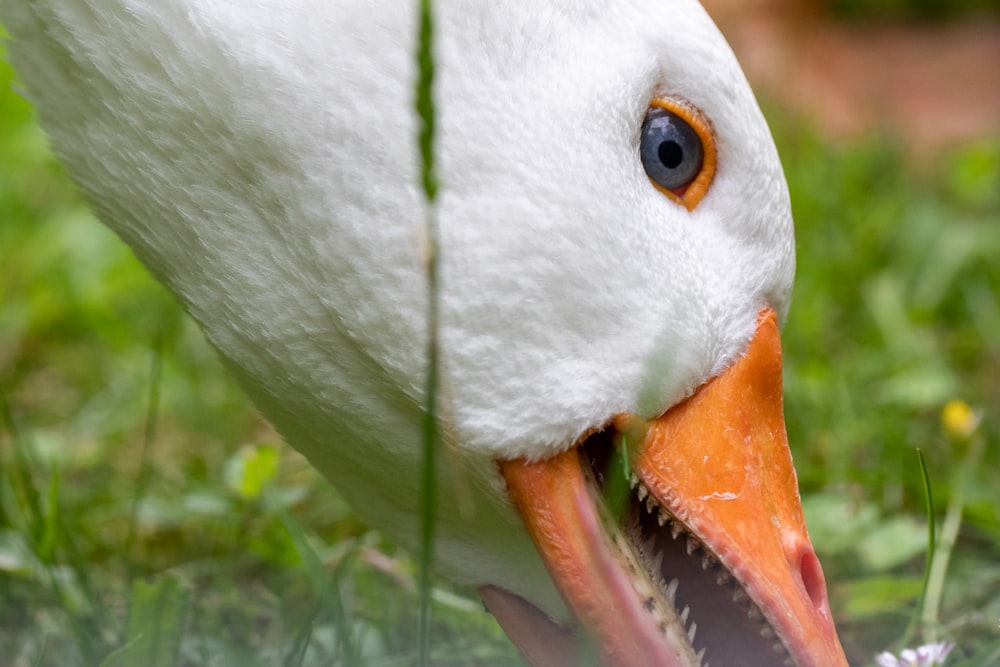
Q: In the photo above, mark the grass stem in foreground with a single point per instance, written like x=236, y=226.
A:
x=148, y=436
x=934, y=590
x=431, y=431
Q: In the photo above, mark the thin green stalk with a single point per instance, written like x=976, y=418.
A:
x=149, y=432
x=617, y=489
x=931, y=544
x=431, y=432
x=28, y=507
x=949, y=533
x=42, y=523
x=328, y=588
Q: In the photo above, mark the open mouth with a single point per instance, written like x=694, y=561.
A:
x=678, y=541
x=690, y=583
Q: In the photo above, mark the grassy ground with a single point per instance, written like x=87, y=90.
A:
x=141, y=495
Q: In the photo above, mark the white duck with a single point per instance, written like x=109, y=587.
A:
x=614, y=230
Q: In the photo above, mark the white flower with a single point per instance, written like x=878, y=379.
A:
x=929, y=655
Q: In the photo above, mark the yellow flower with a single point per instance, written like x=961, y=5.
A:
x=959, y=419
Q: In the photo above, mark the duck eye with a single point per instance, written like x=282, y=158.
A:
x=677, y=152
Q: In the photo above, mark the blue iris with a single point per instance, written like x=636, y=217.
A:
x=670, y=149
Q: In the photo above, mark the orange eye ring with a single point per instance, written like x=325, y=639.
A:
x=691, y=193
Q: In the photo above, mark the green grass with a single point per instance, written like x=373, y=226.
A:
x=219, y=546
x=895, y=314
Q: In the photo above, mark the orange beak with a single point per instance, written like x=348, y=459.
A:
x=711, y=562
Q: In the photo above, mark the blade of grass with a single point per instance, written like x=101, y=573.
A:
x=297, y=652
x=431, y=431
x=46, y=548
x=149, y=431
x=617, y=488
x=110, y=659
x=987, y=656
x=27, y=504
x=327, y=590
x=155, y=623
x=40, y=658
x=41, y=522
x=931, y=543
x=967, y=464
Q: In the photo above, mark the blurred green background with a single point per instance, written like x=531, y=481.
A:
x=141, y=496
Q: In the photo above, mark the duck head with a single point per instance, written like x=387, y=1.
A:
x=616, y=256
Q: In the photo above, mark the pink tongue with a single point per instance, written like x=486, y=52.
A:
x=539, y=639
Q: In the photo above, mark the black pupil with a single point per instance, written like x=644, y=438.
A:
x=670, y=149
x=671, y=154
